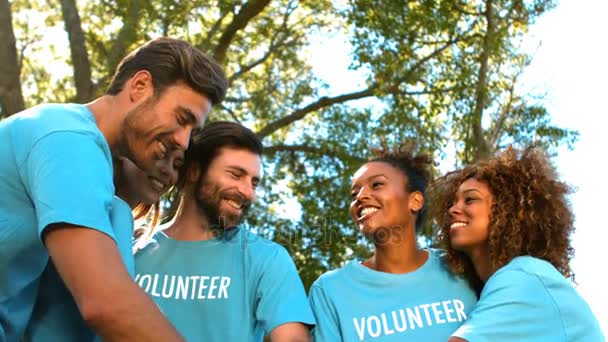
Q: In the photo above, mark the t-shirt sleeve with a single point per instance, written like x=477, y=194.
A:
x=280, y=295
x=514, y=304
x=69, y=178
x=327, y=328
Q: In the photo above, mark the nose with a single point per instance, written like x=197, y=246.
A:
x=362, y=194
x=246, y=190
x=455, y=209
x=168, y=173
x=182, y=137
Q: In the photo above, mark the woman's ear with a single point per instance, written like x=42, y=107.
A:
x=416, y=201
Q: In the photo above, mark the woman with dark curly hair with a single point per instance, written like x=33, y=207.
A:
x=403, y=292
x=506, y=225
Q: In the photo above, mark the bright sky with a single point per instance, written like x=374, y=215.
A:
x=571, y=67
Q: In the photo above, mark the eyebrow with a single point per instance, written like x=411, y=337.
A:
x=470, y=190
x=190, y=117
x=371, y=178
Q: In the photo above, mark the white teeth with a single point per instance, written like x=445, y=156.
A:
x=367, y=210
x=158, y=184
x=234, y=204
x=163, y=149
x=457, y=225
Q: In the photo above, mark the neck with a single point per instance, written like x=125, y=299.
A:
x=190, y=224
x=480, y=257
x=400, y=256
x=109, y=119
x=130, y=200
x=120, y=188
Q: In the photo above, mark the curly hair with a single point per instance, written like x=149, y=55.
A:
x=530, y=213
x=416, y=167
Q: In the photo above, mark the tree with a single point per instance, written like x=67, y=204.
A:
x=11, y=99
x=441, y=72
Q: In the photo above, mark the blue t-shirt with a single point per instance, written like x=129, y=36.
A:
x=529, y=300
x=235, y=287
x=56, y=167
x=356, y=303
x=56, y=316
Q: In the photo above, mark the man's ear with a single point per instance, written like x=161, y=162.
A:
x=416, y=201
x=140, y=86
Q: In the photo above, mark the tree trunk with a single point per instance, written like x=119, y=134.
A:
x=129, y=32
x=80, y=57
x=11, y=98
x=481, y=146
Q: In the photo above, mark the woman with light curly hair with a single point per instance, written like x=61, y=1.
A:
x=506, y=225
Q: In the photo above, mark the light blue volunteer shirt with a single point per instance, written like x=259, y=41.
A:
x=529, y=300
x=356, y=303
x=55, y=316
x=232, y=288
x=56, y=167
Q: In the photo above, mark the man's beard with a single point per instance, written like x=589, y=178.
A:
x=133, y=137
x=208, y=200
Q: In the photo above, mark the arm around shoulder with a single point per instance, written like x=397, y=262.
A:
x=90, y=265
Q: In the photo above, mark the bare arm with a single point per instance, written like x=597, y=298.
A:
x=290, y=332
x=456, y=339
x=108, y=299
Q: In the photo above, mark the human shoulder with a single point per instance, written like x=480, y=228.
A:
x=333, y=278
x=59, y=117
x=528, y=270
x=258, y=245
x=51, y=124
x=524, y=279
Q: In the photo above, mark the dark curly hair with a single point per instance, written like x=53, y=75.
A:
x=417, y=168
x=530, y=213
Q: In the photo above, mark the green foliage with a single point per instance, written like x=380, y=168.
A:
x=423, y=59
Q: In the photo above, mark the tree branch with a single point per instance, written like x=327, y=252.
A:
x=321, y=103
x=239, y=22
x=270, y=150
x=232, y=114
x=246, y=68
x=206, y=44
x=329, y=101
x=505, y=112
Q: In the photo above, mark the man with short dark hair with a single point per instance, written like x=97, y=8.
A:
x=57, y=196
x=215, y=280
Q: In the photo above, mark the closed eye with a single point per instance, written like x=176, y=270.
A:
x=178, y=163
x=234, y=174
x=181, y=120
x=469, y=200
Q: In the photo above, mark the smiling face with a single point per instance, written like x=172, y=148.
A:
x=470, y=215
x=135, y=186
x=162, y=124
x=380, y=200
x=228, y=187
